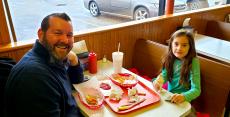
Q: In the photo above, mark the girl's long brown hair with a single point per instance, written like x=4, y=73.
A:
x=187, y=60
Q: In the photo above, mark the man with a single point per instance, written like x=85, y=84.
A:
x=39, y=85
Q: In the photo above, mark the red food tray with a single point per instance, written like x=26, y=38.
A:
x=151, y=98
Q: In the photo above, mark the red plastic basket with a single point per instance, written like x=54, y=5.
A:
x=94, y=107
x=122, y=84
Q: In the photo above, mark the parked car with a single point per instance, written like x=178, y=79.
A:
x=199, y=4
x=135, y=9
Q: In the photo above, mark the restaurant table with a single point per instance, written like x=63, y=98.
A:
x=213, y=47
x=159, y=109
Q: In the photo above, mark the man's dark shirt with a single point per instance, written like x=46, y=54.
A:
x=39, y=87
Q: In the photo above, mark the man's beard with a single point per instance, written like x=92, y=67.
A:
x=52, y=52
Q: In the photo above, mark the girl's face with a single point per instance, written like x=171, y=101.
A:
x=180, y=46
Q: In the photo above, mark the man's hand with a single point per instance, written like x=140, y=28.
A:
x=177, y=98
x=73, y=59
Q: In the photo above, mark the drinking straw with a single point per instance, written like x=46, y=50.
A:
x=118, y=47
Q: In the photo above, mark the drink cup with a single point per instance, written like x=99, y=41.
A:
x=117, y=61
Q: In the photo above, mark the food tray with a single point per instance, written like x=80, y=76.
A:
x=151, y=98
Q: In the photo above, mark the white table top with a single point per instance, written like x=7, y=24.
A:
x=214, y=47
x=161, y=109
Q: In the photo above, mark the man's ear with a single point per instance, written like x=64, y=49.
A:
x=40, y=34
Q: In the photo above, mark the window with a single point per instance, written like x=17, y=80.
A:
x=26, y=15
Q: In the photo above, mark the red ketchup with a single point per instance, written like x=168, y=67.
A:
x=92, y=62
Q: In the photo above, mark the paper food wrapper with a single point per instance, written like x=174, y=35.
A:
x=113, y=87
x=186, y=22
x=91, y=83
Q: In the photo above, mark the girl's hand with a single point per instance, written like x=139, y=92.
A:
x=157, y=84
x=177, y=98
x=73, y=59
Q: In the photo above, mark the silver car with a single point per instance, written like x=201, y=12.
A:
x=135, y=9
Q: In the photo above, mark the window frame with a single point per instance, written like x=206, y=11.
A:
x=7, y=33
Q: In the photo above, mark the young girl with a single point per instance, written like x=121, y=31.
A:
x=181, y=68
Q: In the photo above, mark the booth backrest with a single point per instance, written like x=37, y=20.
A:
x=215, y=77
x=147, y=57
x=218, y=29
x=215, y=87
